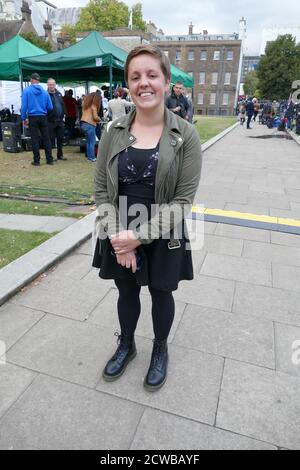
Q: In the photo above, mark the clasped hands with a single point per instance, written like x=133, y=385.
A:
x=124, y=244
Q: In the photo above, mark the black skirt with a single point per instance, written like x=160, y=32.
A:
x=161, y=264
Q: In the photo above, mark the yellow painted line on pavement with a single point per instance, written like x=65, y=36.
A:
x=246, y=216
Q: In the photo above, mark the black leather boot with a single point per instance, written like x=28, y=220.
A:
x=157, y=372
x=125, y=352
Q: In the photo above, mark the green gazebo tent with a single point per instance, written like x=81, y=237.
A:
x=93, y=59
x=11, y=52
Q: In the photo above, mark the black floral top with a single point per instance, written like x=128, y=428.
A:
x=137, y=171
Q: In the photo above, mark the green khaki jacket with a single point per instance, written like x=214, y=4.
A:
x=177, y=176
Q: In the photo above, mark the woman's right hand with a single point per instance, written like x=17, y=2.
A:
x=128, y=260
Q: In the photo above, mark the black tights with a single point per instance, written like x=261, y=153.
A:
x=129, y=308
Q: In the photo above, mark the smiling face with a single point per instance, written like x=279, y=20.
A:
x=147, y=83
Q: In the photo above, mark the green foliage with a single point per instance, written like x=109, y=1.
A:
x=37, y=41
x=106, y=15
x=103, y=15
x=279, y=67
x=251, y=83
x=137, y=17
x=69, y=30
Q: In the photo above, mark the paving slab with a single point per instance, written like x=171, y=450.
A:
x=238, y=269
x=272, y=253
x=286, y=277
x=53, y=414
x=207, y=291
x=105, y=314
x=163, y=431
x=287, y=239
x=260, y=403
x=15, y=321
x=228, y=335
x=35, y=223
x=13, y=382
x=244, y=233
x=76, y=266
x=198, y=398
x=287, y=340
x=66, y=349
x=63, y=296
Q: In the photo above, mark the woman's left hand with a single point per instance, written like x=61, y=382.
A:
x=124, y=242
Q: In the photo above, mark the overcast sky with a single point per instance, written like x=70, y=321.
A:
x=216, y=16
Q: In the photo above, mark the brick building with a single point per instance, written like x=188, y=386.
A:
x=214, y=61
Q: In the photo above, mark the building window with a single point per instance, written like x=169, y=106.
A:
x=178, y=55
x=214, y=78
x=229, y=55
x=191, y=55
x=227, y=78
x=200, y=98
x=203, y=55
x=166, y=53
x=202, y=78
x=212, y=98
x=225, y=99
x=217, y=55
x=191, y=74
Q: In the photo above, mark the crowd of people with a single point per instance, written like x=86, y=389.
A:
x=270, y=113
x=51, y=116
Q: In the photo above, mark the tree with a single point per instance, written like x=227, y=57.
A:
x=37, y=41
x=279, y=68
x=137, y=17
x=103, y=15
x=251, y=83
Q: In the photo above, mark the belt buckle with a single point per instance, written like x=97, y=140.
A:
x=174, y=244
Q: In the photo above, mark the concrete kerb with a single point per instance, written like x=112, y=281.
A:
x=295, y=136
x=25, y=269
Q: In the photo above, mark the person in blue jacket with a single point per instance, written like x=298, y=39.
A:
x=36, y=103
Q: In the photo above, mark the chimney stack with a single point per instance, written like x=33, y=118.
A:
x=191, y=26
x=26, y=12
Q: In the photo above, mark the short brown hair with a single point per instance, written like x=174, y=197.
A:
x=154, y=52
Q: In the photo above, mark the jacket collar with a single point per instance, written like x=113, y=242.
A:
x=171, y=123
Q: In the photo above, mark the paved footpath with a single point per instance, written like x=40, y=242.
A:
x=234, y=374
x=35, y=223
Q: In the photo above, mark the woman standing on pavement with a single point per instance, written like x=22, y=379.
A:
x=149, y=157
x=89, y=120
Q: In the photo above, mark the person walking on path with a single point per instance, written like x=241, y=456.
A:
x=152, y=158
x=89, y=120
x=177, y=102
x=35, y=105
x=250, y=112
x=56, y=118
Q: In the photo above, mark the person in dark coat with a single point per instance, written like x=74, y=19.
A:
x=56, y=118
x=250, y=112
x=177, y=102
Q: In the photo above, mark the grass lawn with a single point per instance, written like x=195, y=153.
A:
x=12, y=206
x=209, y=126
x=14, y=243
x=70, y=180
